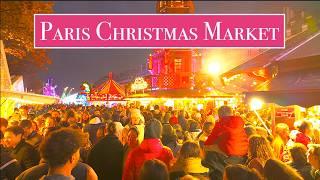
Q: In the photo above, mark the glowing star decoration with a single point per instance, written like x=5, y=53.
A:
x=139, y=84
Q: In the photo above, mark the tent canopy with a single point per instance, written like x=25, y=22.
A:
x=303, y=44
x=109, y=90
x=297, y=83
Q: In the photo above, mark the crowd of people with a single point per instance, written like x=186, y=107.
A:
x=54, y=142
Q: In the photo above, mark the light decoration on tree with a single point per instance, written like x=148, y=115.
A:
x=139, y=84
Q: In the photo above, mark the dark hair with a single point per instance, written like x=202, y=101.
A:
x=60, y=145
x=153, y=129
x=207, y=125
x=154, y=169
x=189, y=149
x=275, y=169
x=241, y=172
x=25, y=123
x=3, y=122
x=304, y=126
x=250, y=130
x=156, y=107
x=135, y=129
x=112, y=128
x=298, y=154
x=46, y=115
x=193, y=126
x=15, y=130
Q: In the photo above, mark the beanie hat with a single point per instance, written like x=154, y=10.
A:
x=153, y=129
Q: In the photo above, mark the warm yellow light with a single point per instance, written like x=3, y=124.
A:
x=256, y=104
x=213, y=68
x=199, y=107
x=169, y=103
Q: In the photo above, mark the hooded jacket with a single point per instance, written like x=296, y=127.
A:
x=230, y=136
x=149, y=149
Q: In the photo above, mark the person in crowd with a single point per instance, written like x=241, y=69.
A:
x=154, y=169
x=107, y=155
x=85, y=117
x=227, y=143
x=240, y=172
x=281, y=137
x=173, y=119
x=305, y=131
x=94, y=124
x=206, y=131
x=3, y=127
x=189, y=162
x=23, y=110
x=61, y=163
x=250, y=130
x=26, y=155
x=150, y=148
x=9, y=166
x=275, y=169
x=182, y=121
x=169, y=139
x=157, y=113
x=135, y=120
x=299, y=160
x=131, y=142
x=194, y=130
x=30, y=135
x=259, y=152
x=313, y=155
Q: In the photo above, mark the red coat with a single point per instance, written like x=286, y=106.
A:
x=149, y=149
x=303, y=139
x=173, y=121
x=230, y=136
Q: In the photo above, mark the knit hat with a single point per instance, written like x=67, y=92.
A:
x=153, y=129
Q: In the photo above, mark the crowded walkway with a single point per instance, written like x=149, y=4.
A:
x=54, y=142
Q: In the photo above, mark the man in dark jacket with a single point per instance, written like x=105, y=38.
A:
x=107, y=155
x=26, y=155
x=31, y=136
x=9, y=167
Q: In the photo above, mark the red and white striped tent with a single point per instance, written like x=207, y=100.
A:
x=110, y=90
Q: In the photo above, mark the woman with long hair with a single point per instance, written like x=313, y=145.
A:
x=259, y=152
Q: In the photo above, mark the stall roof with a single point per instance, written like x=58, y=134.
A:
x=298, y=46
x=293, y=85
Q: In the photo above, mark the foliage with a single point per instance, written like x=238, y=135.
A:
x=17, y=31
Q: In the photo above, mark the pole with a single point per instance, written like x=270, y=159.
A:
x=261, y=120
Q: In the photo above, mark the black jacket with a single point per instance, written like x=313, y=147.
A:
x=9, y=167
x=26, y=155
x=106, y=158
x=34, y=139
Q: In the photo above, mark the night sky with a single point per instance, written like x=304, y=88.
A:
x=71, y=67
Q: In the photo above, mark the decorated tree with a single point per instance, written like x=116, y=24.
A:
x=16, y=31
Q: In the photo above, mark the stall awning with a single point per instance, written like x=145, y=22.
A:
x=299, y=45
x=293, y=85
x=27, y=98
